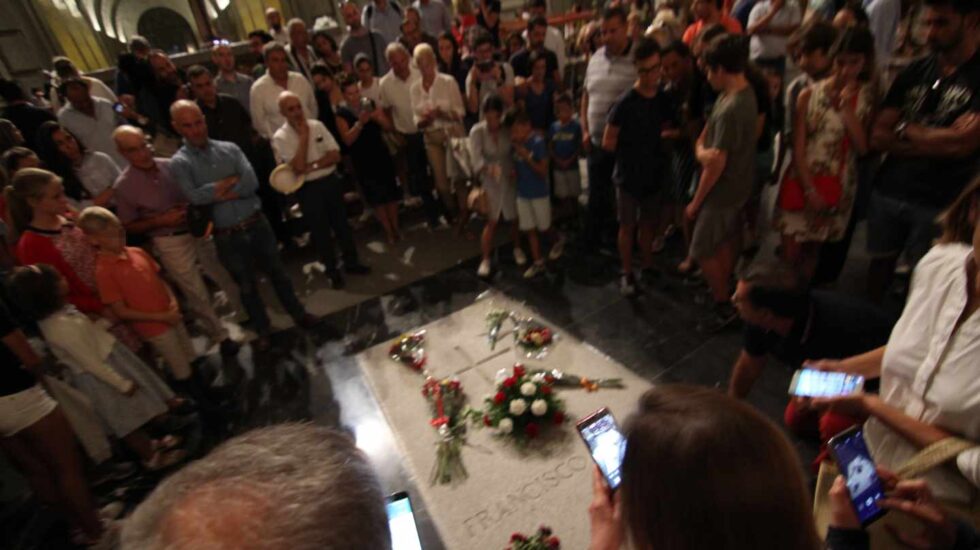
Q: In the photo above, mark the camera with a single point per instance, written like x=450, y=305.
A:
x=367, y=104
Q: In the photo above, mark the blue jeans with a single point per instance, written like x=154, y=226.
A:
x=254, y=247
x=896, y=226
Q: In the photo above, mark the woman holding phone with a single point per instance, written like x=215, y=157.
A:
x=699, y=471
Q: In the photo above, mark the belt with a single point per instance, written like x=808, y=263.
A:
x=240, y=226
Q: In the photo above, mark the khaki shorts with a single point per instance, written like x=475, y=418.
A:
x=534, y=214
x=568, y=183
x=713, y=228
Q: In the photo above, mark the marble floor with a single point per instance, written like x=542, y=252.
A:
x=312, y=375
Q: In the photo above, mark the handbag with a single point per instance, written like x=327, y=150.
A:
x=828, y=186
x=930, y=457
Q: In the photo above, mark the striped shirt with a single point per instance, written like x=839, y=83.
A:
x=606, y=78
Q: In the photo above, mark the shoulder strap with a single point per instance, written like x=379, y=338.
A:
x=932, y=456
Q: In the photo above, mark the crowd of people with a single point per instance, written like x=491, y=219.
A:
x=126, y=203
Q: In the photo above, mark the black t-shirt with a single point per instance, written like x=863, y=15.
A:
x=229, y=121
x=28, y=118
x=521, y=63
x=641, y=157
x=834, y=326
x=924, y=97
x=13, y=377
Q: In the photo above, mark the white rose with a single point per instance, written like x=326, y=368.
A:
x=528, y=389
x=501, y=375
x=539, y=407
x=505, y=426
x=517, y=407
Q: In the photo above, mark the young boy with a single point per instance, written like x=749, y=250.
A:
x=633, y=135
x=565, y=138
x=129, y=283
x=533, y=197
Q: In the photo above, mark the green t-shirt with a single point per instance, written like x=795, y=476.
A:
x=731, y=128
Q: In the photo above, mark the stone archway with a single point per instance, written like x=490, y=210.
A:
x=167, y=30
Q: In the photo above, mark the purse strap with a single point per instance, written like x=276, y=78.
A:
x=932, y=456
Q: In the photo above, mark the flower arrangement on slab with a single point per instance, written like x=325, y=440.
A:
x=447, y=401
x=409, y=350
x=543, y=539
x=522, y=405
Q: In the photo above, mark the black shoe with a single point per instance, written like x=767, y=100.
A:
x=336, y=280
x=356, y=268
x=723, y=314
x=308, y=321
x=229, y=347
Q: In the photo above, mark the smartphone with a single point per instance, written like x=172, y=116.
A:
x=401, y=523
x=118, y=107
x=605, y=442
x=816, y=383
x=854, y=461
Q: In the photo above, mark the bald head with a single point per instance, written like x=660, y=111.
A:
x=188, y=121
x=291, y=108
x=132, y=145
x=273, y=18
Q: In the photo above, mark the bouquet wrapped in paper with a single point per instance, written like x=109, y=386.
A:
x=533, y=339
x=448, y=404
x=409, y=349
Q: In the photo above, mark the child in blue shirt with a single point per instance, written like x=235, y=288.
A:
x=533, y=197
x=565, y=136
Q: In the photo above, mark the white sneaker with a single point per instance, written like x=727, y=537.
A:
x=536, y=269
x=519, y=258
x=557, y=249
x=484, y=270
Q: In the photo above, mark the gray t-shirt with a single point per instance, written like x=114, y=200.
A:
x=353, y=45
x=731, y=128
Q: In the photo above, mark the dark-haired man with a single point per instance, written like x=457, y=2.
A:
x=537, y=29
x=633, y=135
x=361, y=39
x=26, y=116
x=794, y=325
x=229, y=80
x=264, y=95
x=929, y=128
x=609, y=74
x=726, y=152
x=553, y=40
x=91, y=119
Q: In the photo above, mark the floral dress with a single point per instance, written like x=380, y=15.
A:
x=825, y=132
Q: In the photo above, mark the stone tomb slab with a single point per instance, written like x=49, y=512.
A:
x=509, y=488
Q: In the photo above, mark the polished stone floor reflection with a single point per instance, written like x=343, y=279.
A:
x=311, y=376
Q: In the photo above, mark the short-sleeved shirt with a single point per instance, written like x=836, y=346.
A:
x=834, y=326
x=361, y=43
x=286, y=143
x=924, y=96
x=606, y=79
x=521, y=62
x=768, y=46
x=436, y=17
x=396, y=94
x=641, y=159
x=731, y=128
x=133, y=278
x=530, y=184
x=144, y=193
x=229, y=120
x=565, y=138
x=386, y=22
x=488, y=87
x=13, y=377
x=694, y=29
x=540, y=107
x=97, y=172
x=95, y=132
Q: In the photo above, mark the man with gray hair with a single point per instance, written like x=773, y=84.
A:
x=291, y=486
x=264, y=96
x=361, y=40
x=301, y=55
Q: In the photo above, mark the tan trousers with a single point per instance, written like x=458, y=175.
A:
x=176, y=349
x=181, y=257
x=436, y=149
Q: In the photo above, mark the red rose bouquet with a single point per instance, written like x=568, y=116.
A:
x=449, y=411
x=542, y=540
x=523, y=404
x=408, y=349
x=534, y=340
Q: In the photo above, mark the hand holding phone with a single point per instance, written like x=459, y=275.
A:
x=809, y=382
x=855, y=463
x=606, y=444
x=401, y=523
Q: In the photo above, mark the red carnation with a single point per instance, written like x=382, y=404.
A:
x=559, y=417
x=486, y=420
x=519, y=370
x=549, y=379
x=499, y=398
x=531, y=430
x=545, y=389
x=509, y=382
x=517, y=537
x=553, y=542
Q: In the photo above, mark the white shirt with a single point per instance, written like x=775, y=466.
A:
x=933, y=374
x=444, y=94
x=396, y=94
x=554, y=41
x=95, y=133
x=97, y=172
x=606, y=78
x=264, y=102
x=373, y=91
x=771, y=45
x=281, y=37
x=285, y=143
x=883, y=18
x=82, y=345
x=95, y=87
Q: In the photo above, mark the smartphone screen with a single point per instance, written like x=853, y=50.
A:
x=118, y=107
x=401, y=523
x=606, y=444
x=854, y=461
x=815, y=383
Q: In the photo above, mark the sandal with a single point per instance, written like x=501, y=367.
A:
x=687, y=266
x=164, y=459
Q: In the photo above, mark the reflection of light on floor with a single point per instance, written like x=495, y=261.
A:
x=369, y=434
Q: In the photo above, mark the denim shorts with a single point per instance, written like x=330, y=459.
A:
x=896, y=226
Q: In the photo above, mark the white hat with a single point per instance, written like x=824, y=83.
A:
x=285, y=180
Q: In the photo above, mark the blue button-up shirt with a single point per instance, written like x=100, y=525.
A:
x=197, y=171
